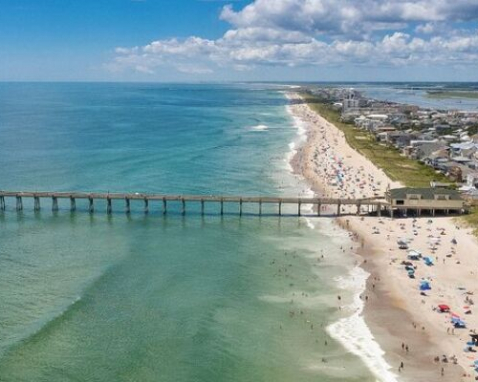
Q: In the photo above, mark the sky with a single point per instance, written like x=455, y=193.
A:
x=238, y=40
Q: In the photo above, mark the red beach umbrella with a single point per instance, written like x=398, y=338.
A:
x=444, y=308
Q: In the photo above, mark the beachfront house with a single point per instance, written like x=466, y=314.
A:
x=427, y=200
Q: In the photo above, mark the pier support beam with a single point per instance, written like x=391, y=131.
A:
x=358, y=209
x=127, y=207
x=183, y=203
x=2, y=203
x=280, y=207
x=109, y=207
x=19, y=203
x=36, y=203
x=240, y=207
x=146, y=206
x=165, y=206
x=319, y=207
x=299, y=205
x=72, y=204
x=91, y=206
x=338, y=209
x=260, y=207
x=391, y=212
x=202, y=207
x=379, y=210
x=54, y=204
x=222, y=206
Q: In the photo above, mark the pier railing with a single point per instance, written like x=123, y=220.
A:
x=318, y=203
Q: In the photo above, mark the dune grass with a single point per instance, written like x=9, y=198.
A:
x=453, y=94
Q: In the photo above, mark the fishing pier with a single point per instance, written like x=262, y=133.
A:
x=183, y=200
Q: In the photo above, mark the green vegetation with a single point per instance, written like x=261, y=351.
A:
x=470, y=220
x=453, y=94
x=472, y=130
x=399, y=168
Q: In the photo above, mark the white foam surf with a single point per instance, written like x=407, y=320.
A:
x=354, y=334
x=259, y=128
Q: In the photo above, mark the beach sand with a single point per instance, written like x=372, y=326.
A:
x=395, y=311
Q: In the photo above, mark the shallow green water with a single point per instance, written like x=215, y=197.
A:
x=152, y=298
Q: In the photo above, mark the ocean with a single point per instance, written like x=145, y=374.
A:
x=97, y=297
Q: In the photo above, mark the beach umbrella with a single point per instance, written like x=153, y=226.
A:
x=425, y=285
x=444, y=308
x=428, y=260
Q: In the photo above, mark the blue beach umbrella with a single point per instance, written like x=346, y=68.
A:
x=428, y=260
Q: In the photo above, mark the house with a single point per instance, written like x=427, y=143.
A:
x=351, y=100
x=399, y=139
x=423, y=150
x=428, y=199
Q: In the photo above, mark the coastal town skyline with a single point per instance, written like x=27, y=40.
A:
x=242, y=40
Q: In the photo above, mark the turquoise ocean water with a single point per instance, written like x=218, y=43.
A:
x=162, y=298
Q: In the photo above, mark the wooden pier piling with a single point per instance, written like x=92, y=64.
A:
x=127, y=207
x=109, y=207
x=19, y=203
x=54, y=203
x=72, y=204
x=91, y=206
x=36, y=204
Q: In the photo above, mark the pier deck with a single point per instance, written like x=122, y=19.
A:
x=375, y=203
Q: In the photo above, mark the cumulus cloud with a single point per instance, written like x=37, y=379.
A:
x=320, y=32
x=347, y=16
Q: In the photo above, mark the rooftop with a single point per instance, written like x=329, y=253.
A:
x=426, y=193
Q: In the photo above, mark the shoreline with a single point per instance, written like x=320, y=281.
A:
x=394, y=312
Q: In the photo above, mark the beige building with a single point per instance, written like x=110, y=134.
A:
x=428, y=200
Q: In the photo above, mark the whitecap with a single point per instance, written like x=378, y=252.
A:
x=259, y=128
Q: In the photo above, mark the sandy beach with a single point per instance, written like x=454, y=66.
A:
x=405, y=322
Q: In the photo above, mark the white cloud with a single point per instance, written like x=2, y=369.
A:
x=347, y=16
x=319, y=32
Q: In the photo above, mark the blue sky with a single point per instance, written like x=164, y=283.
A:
x=204, y=40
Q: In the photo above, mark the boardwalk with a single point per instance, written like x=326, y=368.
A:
x=376, y=204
